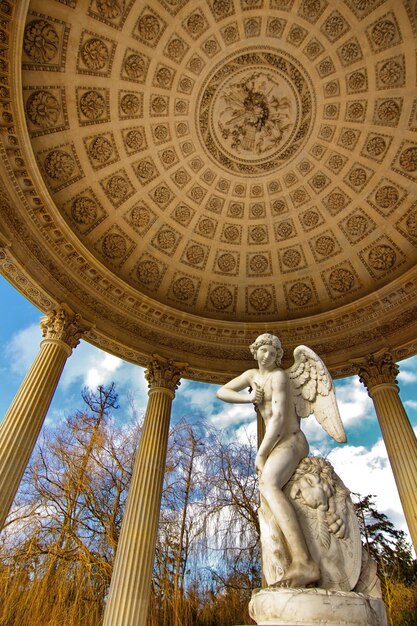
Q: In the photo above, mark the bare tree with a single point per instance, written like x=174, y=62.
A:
x=180, y=525
x=63, y=532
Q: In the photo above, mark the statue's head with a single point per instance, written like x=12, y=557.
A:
x=267, y=340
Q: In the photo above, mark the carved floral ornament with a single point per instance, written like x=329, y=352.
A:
x=110, y=9
x=252, y=120
x=84, y=210
x=41, y=41
x=63, y=326
x=378, y=370
x=59, y=165
x=261, y=153
x=165, y=373
x=92, y=104
x=43, y=109
x=255, y=116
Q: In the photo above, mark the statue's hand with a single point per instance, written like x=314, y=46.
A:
x=256, y=396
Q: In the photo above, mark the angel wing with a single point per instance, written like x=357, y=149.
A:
x=313, y=392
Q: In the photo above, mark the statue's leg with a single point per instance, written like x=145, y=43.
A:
x=278, y=469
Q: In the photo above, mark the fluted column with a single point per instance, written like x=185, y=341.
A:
x=130, y=587
x=378, y=374
x=19, y=430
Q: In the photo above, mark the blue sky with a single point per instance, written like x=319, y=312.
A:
x=361, y=463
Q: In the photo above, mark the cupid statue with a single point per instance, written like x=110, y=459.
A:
x=282, y=397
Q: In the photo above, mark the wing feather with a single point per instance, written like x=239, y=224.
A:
x=313, y=392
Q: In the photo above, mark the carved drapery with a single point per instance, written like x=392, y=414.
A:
x=131, y=582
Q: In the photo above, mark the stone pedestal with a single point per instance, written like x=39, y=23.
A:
x=310, y=607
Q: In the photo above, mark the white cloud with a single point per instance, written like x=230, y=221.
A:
x=22, y=349
x=201, y=399
x=233, y=416
x=408, y=370
x=406, y=376
x=368, y=472
x=198, y=396
x=56, y=416
x=354, y=403
x=313, y=431
x=411, y=403
x=105, y=372
x=89, y=366
x=247, y=432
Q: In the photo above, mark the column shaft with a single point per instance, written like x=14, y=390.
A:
x=20, y=427
x=401, y=444
x=128, y=599
x=130, y=587
x=378, y=374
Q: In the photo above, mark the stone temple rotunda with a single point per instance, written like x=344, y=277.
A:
x=179, y=176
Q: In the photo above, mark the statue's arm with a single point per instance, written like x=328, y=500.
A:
x=230, y=392
x=274, y=426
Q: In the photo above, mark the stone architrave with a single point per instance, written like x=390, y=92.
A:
x=130, y=587
x=19, y=430
x=378, y=374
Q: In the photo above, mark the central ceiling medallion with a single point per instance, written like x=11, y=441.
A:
x=255, y=111
x=255, y=114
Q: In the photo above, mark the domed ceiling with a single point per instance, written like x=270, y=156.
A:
x=201, y=171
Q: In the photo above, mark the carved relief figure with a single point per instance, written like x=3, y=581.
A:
x=282, y=398
x=256, y=115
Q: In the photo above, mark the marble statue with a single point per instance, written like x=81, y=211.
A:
x=309, y=530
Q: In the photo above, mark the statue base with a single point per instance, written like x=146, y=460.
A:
x=274, y=606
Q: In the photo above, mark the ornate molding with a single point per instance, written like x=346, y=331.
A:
x=14, y=273
x=378, y=370
x=166, y=373
x=63, y=325
x=4, y=244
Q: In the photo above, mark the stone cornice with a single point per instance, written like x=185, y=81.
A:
x=333, y=347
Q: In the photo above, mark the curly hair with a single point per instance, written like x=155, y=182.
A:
x=268, y=340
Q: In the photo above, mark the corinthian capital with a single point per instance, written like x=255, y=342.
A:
x=378, y=370
x=165, y=373
x=63, y=325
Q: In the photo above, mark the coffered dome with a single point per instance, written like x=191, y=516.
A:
x=188, y=173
